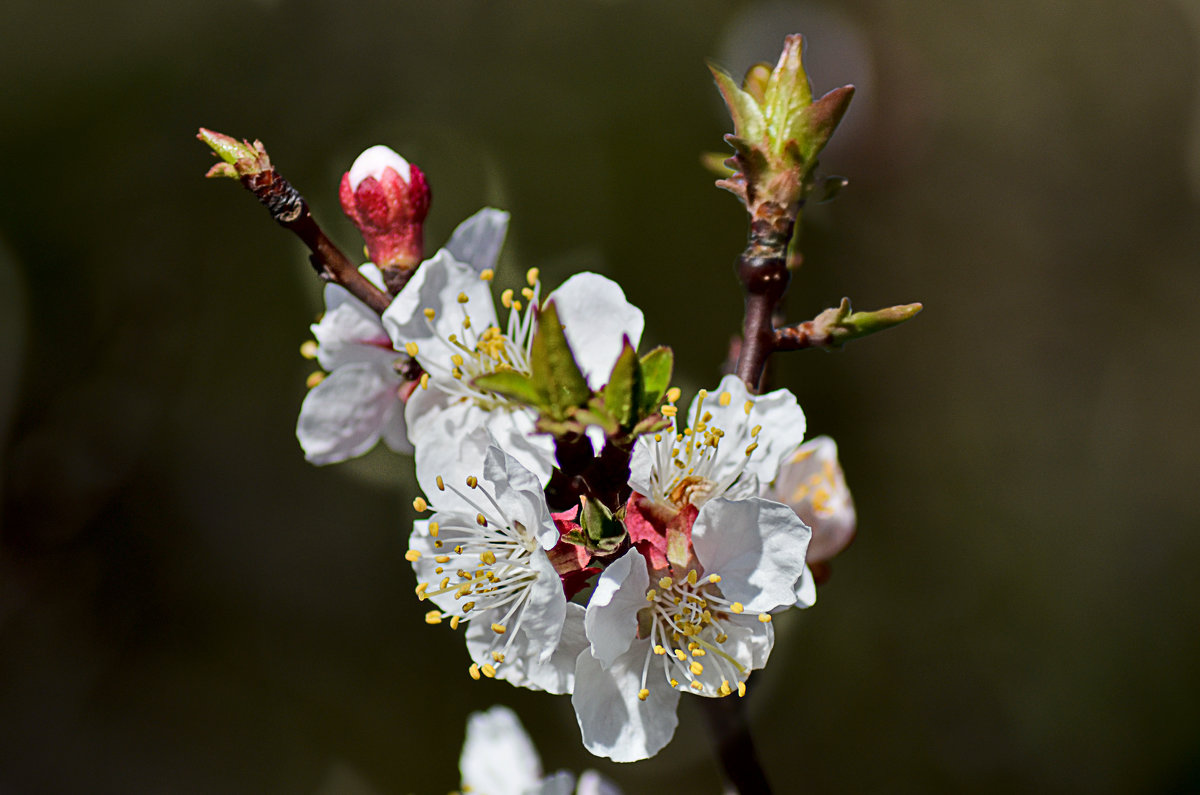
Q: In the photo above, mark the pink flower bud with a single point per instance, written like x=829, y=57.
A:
x=387, y=198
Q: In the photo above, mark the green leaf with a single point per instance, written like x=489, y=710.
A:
x=787, y=93
x=512, y=384
x=555, y=372
x=748, y=121
x=657, y=367
x=623, y=392
x=814, y=127
x=598, y=522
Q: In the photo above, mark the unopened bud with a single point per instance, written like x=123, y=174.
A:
x=387, y=198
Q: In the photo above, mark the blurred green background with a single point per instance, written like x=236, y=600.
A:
x=188, y=607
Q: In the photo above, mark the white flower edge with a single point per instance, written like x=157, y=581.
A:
x=596, y=317
x=477, y=241
x=498, y=757
x=347, y=413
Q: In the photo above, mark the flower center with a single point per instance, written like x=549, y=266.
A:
x=688, y=621
x=693, y=465
x=469, y=353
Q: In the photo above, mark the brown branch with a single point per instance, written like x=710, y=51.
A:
x=734, y=745
x=249, y=163
x=762, y=270
x=290, y=211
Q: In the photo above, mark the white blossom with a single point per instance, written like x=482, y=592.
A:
x=481, y=558
x=732, y=442
x=498, y=758
x=699, y=628
x=446, y=320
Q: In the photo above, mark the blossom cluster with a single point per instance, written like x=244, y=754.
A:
x=588, y=535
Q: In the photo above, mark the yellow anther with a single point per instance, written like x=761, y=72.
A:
x=424, y=380
x=308, y=349
x=722, y=638
x=472, y=481
x=462, y=298
x=673, y=394
x=764, y=618
x=750, y=448
x=741, y=689
x=674, y=683
x=697, y=686
x=468, y=607
x=421, y=588
x=445, y=580
x=430, y=313
x=517, y=305
x=474, y=671
x=528, y=293
x=680, y=655
x=748, y=407
x=458, y=548
x=692, y=577
x=531, y=276
x=487, y=274
x=665, y=582
x=714, y=578
x=411, y=348
x=669, y=411
x=698, y=652
x=441, y=484
x=754, y=431
x=453, y=338
x=456, y=373
x=702, y=394
x=499, y=629
x=724, y=399
x=506, y=299
x=314, y=378
x=724, y=689
x=488, y=557
x=643, y=694
x=658, y=437
x=419, y=505
x=498, y=656
x=466, y=322
x=457, y=359
x=651, y=595
x=454, y=622
x=433, y=529
x=696, y=668
x=412, y=555
x=488, y=670
x=658, y=649
x=433, y=617
x=480, y=520
x=737, y=607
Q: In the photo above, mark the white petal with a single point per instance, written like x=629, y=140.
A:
x=438, y=425
x=373, y=161
x=620, y=593
x=614, y=722
x=395, y=431
x=812, y=483
x=561, y=782
x=595, y=317
x=545, y=610
x=778, y=413
x=452, y=459
x=498, y=758
x=592, y=783
x=749, y=640
x=351, y=332
x=478, y=239
x=806, y=590
x=757, y=546
x=437, y=285
x=343, y=416
x=523, y=498
x=642, y=464
x=520, y=668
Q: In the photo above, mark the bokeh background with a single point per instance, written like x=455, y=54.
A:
x=186, y=606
